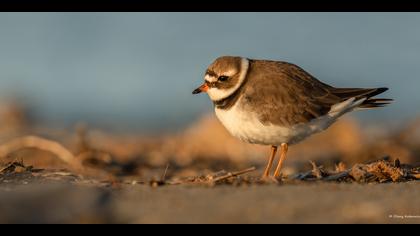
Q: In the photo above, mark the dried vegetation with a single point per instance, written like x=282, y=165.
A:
x=196, y=156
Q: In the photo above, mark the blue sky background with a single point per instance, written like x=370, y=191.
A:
x=137, y=70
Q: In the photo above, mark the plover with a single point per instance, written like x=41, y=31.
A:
x=278, y=103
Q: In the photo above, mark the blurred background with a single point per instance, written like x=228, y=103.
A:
x=137, y=70
x=133, y=73
x=112, y=92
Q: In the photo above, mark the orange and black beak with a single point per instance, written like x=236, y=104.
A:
x=202, y=88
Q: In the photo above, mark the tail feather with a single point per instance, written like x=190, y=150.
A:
x=367, y=94
x=375, y=102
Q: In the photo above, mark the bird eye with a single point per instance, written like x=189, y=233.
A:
x=223, y=78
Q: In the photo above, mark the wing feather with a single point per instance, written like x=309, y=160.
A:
x=285, y=94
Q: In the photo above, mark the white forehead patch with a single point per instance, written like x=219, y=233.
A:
x=216, y=94
x=210, y=78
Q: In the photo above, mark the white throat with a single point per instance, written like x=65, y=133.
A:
x=219, y=94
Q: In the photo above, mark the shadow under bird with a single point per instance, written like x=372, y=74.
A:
x=277, y=103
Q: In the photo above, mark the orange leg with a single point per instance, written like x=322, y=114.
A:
x=283, y=152
x=270, y=161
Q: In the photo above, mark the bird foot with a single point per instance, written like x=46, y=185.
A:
x=269, y=180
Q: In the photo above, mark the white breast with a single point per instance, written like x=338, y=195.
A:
x=246, y=126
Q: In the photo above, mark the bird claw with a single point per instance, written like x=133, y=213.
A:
x=270, y=180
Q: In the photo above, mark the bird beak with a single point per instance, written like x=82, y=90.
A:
x=202, y=88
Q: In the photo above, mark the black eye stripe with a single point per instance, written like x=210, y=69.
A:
x=211, y=84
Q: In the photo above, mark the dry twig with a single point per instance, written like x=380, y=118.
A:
x=164, y=173
x=233, y=174
x=40, y=143
x=317, y=171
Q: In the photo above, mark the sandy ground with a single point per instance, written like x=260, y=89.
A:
x=289, y=203
x=47, y=184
